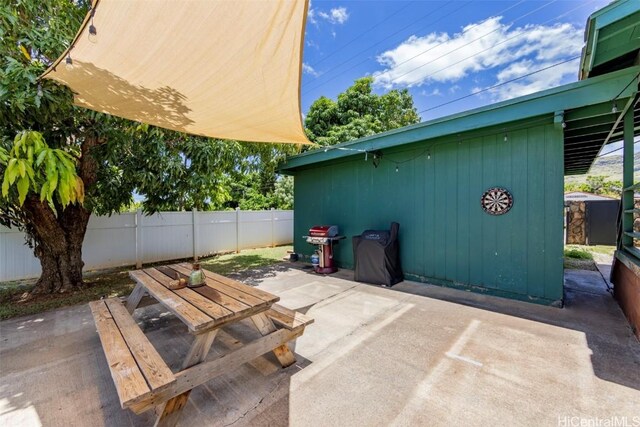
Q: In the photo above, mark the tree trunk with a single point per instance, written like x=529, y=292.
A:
x=58, y=239
x=57, y=244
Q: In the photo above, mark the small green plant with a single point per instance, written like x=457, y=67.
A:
x=577, y=254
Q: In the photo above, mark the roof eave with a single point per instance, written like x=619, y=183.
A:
x=582, y=93
x=608, y=15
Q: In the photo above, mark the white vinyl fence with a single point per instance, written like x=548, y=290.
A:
x=132, y=238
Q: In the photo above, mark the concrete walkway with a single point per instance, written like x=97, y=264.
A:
x=407, y=356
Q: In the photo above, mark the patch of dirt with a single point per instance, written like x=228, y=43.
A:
x=579, y=264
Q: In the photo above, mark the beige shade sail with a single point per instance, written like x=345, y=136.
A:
x=225, y=69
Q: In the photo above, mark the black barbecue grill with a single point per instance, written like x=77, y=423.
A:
x=376, y=254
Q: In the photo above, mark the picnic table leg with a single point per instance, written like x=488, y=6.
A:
x=265, y=326
x=169, y=412
x=199, y=349
x=134, y=299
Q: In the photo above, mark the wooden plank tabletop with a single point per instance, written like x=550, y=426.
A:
x=220, y=301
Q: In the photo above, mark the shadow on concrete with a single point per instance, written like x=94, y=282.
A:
x=61, y=376
x=589, y=308
x=257, y=273
x=242, y=394
x=410, y=354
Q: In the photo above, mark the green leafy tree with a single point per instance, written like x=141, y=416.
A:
x=597, y=184
x=171, y=170
x=46, y=137
x=254, y=200
x=280, y=198
x=255, y=182
x=60, y=163
x=283, y=193
x=612, y=188
x=358, y=112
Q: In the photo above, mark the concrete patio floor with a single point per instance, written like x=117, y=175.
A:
x=410, y=355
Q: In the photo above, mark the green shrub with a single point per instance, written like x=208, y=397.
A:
x=577, y=254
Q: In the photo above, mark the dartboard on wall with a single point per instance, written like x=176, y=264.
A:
x=496, y=201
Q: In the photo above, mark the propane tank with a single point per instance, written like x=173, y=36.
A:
x=315, y=259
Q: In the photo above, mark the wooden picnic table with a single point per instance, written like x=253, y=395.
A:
x=143, y=380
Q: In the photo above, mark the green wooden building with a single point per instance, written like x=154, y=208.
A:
x=430, y=178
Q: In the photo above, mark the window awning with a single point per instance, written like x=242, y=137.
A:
x=225, y=69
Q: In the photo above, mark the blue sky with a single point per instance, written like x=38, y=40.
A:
x=442, y=50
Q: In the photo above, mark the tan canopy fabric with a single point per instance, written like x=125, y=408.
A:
x=225, y=69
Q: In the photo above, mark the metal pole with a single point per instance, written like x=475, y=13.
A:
x=237, y=230
x=194, y=217
x=273, y=245
x=627, y=179
x=138, y=222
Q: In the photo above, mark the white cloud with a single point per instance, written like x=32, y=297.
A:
x=337, y=15
x=311, y=43
x=434, y=92
x=441, y=57
x=308, y=69
x=534, y=83
x=311, y=15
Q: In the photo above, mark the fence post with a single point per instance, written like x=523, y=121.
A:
x=138, y=223
x=273, y=244
x=237, y=230
x=194, y=218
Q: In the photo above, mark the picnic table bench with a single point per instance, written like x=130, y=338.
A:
x=142, y=378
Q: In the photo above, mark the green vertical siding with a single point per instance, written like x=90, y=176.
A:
x=445, y=236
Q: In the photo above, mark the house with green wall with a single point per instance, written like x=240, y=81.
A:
x=430, y=177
